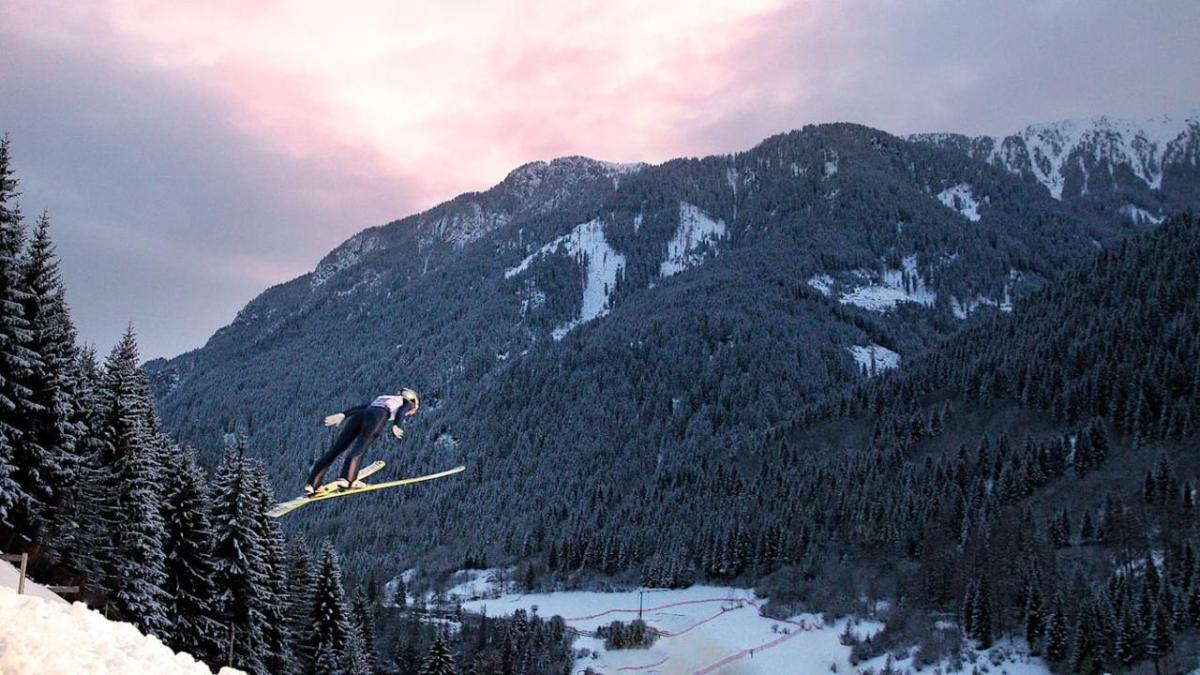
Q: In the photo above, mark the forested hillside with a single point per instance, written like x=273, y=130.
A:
x=600, y=322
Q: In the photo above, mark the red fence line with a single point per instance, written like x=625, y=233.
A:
x=654, y=609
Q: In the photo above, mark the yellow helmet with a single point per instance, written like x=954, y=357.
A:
x=410, y=396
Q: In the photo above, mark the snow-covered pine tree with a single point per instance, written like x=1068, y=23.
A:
x=332, y=635
x=1057, y=634
x=364, y=619
x=137, y=572
x=277, y=636
x=298, y=602
x=84, y=541
x=238, y=557
x=191, y=583
x=438, y=661
x=16, y=361
x=48, y=464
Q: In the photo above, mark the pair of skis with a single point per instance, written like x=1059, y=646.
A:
x=284, y=508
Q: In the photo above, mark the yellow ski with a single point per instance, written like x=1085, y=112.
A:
x=289, y=506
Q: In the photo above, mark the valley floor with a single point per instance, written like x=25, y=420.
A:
x=710, y=629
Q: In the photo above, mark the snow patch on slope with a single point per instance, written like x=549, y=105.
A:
x=874, y=359
x=883, y=292
x=1140, y=216
x=696, y=233
x=961, y=199
x=44, y=637
x=603, y=265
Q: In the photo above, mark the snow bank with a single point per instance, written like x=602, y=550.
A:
x=45, y=637
x=874, y=358
x=696, y=232
x=961, y=199
x=603, y=265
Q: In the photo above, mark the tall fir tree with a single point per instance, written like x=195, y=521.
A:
x=364, y=620
x=137, y=573
x=299, y=602
x=84, y=541
x=333, y=635
x=49, y=464
x=239, y=559
x=16, y=360
x=277, y=636
x=191, y=572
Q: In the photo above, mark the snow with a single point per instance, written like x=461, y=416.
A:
x=874, y=358
x=10, y=577
x=888, y=289
x=1144, y=145
x=705, y=629
x=961, y=199
x=831, y=163
x=823, y=283
x=603, y=265
x=42, y=637
x=1139, y=215
x=477, y=584
x=696, y=232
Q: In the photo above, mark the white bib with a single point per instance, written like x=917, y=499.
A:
x=392, y=403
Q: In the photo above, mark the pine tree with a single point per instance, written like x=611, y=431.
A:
x=277, y=637
x=299, y=603
x=332, y=627
x=364, y=620
x=46, y=457
x=84, y=540
x=1057, y=634
x=16, y=360
x=239, y=559
x=981, y=615
x=438, y=661
x=137, y=573
x=191, y=573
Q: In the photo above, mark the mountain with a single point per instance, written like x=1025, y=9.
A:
x=586, y=335
x=1144, y=169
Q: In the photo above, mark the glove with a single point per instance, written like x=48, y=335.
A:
x=334, y=420
x=397, y=432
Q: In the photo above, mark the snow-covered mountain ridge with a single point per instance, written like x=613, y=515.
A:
x=1073, y=158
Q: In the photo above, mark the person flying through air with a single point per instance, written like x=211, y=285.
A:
x=362, y=424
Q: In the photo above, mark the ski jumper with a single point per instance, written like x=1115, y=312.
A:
x=361, y=426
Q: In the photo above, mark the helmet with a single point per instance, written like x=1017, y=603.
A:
x=410, y=396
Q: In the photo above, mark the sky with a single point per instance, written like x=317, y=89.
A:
x=192, y=154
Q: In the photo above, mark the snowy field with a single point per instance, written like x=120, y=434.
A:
x=705, y=629
x=712, y=629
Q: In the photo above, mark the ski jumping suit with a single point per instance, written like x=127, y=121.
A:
x=362, y=425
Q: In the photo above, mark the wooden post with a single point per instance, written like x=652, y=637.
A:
x=23, y=558
x=231, y=634
x=24, y=565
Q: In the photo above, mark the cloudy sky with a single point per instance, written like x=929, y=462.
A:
x=192, y=154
